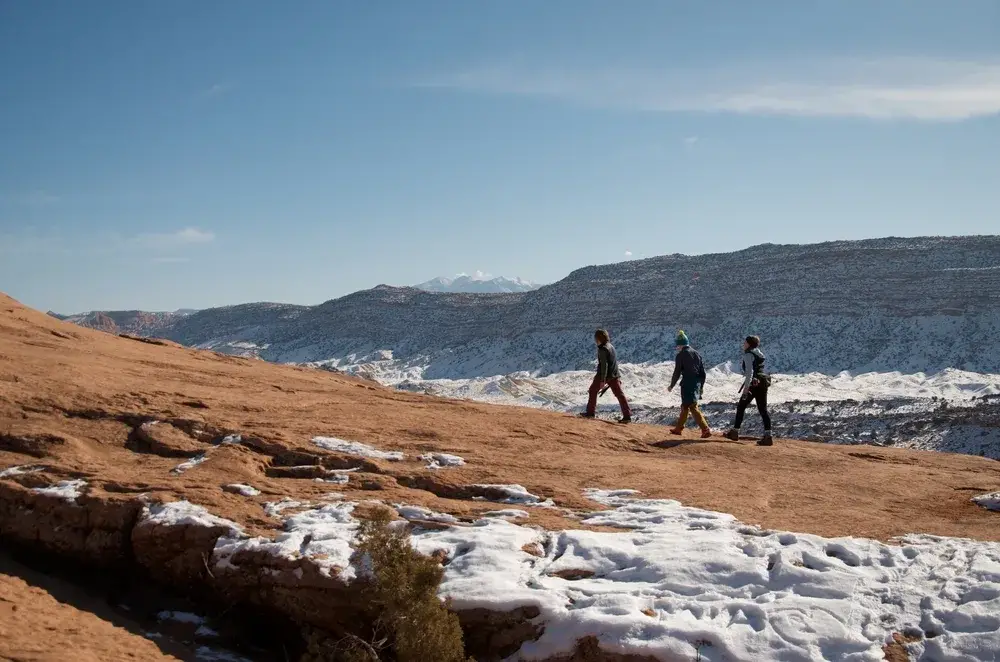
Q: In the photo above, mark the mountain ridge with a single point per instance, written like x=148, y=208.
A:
x=908, y=304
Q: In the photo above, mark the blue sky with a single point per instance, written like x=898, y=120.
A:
x=161, y=155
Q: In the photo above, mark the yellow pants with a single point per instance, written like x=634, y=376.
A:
x=693, y=410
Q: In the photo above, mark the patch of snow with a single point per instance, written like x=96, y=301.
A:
x=245, y=490
x=185, y=513
x=442, y=460
x=181, y=617
x=190, y=464
x=356, y=448
x=419, y=513
x=275, y=508
x=507, y=513
x=336, y=477
x=989, y=501
x=515, y=494
x=679, y=583
x=214, y=655
x=231, y=439
x=64, y=489
x=324, y=534
x=205, y=631
x=19, y=471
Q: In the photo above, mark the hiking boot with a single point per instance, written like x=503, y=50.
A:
x=706, y=433
x=766, y=440
x=677, y=431
x=733, y=434
x=584, y=414
x=625, y=420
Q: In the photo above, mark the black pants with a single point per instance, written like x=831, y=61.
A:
x=758, y=393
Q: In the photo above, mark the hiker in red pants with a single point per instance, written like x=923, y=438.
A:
x=607, y=373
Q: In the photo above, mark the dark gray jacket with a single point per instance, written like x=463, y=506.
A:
x=688, y=365
x=607, y=362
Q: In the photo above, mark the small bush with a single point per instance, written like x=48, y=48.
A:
x=410, y=621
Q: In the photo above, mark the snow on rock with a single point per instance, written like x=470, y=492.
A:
x=206, y=654
x=424, y=514
x=181, y=617
x=275, y=508
x=513, y=494
x=19, y=470
x=681, y=582
x=442, y=460
x=241, y=488
x=185, y=513
x=508, y=513
x=323, y=534
x=356, y=448
x=64, y=489
x=989, y=501
x=205, y=631
x=230, y=439
x=190, y=464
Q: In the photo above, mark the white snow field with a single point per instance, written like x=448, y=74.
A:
x=679, y=583
x=646, y=385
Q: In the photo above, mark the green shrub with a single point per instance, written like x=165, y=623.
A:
x=408, y=623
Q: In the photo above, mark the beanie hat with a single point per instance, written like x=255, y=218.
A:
x=682, y=339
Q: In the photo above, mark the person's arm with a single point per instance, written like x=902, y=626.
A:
x=747, y=372
x=677, y=372
x=702, y=375
x=602, y=363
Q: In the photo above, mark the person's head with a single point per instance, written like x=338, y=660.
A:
x=751, y=342
x=601, y=336
x=682, y=340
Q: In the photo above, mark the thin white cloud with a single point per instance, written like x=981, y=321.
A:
x=169, y=240
x=690, y=141
x=882, y=88
x=217, y=90
x=628, y=253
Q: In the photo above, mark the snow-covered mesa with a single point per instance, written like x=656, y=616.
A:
x=478, y=282
x=676, y=583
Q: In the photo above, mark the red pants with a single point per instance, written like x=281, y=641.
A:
x=616, y=388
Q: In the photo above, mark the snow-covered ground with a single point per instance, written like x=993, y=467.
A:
x=646, y=385
x=952, y=410
x=676, y=583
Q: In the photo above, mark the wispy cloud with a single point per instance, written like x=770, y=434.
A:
x=217, y=90
x=171, y=240
x=628, y=253
x=690, y=141
x=881, y=88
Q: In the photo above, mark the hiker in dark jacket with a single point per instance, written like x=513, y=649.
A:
x=755, y=385
x=690, y=370
x=607, y=374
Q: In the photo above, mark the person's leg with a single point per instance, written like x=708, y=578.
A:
x=765, y=417
x=699, y=417
x=741, y=410
x=595, y=389
x=682, y=418
x=616, y=388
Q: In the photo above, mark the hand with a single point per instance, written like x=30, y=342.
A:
x=670, y=389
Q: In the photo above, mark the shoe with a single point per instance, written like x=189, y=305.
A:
x=585, y=415
x=733, y=435
x=705, y=434
x=766, y=440
x=677, y=431
x=625, y=420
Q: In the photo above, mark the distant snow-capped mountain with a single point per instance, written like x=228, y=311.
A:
x=478, y=283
